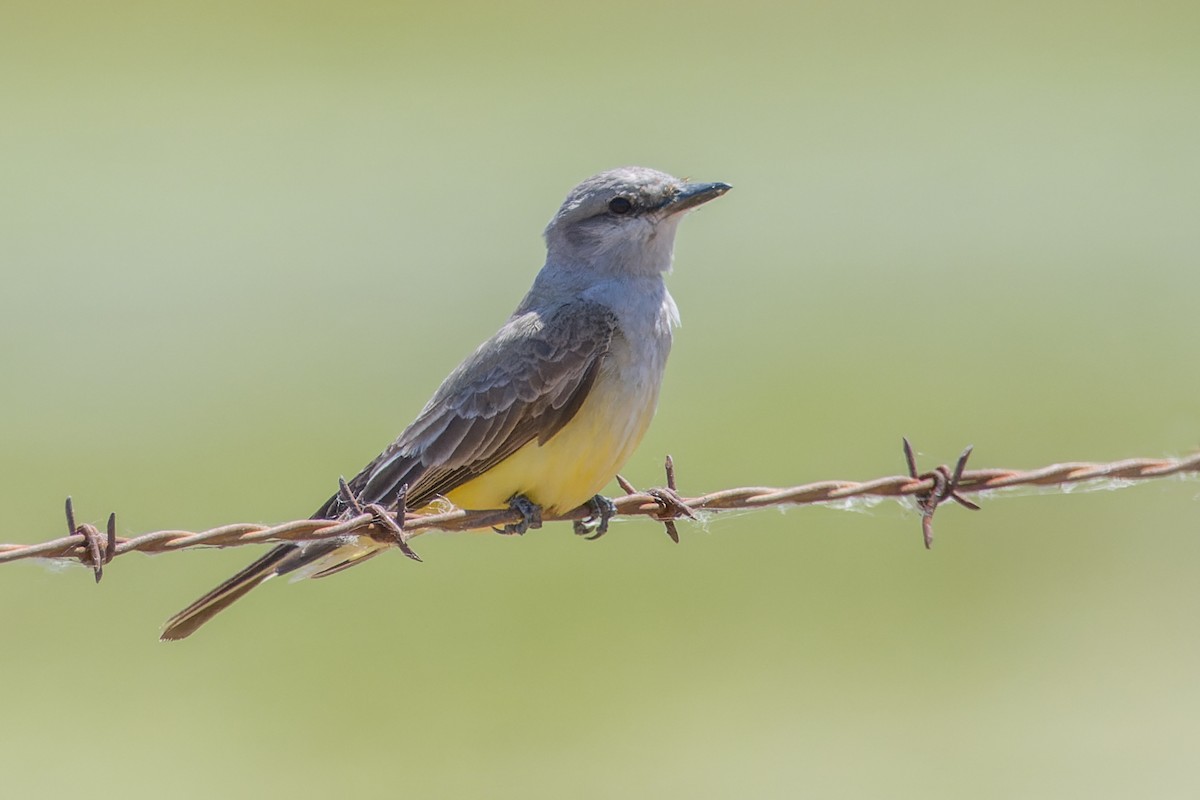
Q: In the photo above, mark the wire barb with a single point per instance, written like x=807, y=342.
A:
x=944, y=487
x=91, y=553
x=673, y=506
x=929, y=489
x=392, y=526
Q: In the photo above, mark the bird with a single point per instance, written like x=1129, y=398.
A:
x=542, y=415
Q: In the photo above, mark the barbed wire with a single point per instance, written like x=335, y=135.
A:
x=86, y=544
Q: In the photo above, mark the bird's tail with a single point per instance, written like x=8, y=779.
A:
x=310, y=560
x=186, y=622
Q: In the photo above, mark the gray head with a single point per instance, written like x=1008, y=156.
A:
x=623, y=221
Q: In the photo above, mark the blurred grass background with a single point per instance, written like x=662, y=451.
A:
x=242, y=244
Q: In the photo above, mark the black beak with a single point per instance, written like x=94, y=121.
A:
x=691, y=195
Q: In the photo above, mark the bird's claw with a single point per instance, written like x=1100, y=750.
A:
x=596, y=524
x=531, y=516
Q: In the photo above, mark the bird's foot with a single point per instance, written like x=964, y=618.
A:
x=531, y=516
x=596, y=525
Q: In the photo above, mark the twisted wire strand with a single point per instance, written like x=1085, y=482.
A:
x=664, y=505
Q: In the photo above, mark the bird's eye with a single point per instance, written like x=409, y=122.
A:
x=620, y=205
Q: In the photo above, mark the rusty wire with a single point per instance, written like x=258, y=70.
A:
x=86, y=544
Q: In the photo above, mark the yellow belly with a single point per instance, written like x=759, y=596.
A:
x=577, y=463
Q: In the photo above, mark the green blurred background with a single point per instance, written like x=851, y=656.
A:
x=226, y=232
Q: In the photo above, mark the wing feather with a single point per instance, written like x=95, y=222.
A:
x=524, y=383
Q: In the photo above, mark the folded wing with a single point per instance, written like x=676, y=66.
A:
x=524, y=383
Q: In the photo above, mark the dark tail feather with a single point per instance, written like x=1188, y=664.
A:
x=186, y=622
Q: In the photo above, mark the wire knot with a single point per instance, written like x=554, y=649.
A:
x=670, y=505
x=391, y=527
x=98, y=549
x=945, y=487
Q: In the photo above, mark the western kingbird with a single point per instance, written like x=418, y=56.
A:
x=544, y=413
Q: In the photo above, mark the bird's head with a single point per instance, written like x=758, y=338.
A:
x=623, y=221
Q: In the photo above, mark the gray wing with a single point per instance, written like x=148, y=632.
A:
x=524, y=383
